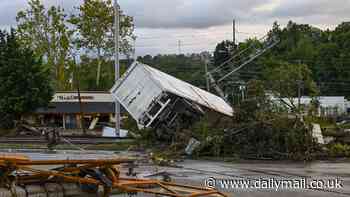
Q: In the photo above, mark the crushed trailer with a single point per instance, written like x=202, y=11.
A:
x=157, y=100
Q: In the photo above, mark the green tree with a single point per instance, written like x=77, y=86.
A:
x=223, y=52
x=187, y=68
x=287, y=81
x=95, y=31
x=45, y=32
x=24, y=82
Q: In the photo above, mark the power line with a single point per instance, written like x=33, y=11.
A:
x=194, y=35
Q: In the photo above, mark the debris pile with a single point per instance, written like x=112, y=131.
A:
x=19, y=177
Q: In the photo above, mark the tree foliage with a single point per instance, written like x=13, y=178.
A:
x=45, y=31
x=95, y=31
x=25, y=84
x=87, y=73
x=189, y=68
x=288, y=81
x=58, y=38
x=324, y=52
x=223, y=51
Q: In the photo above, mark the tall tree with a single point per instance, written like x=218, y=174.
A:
x=95, y=31
x=24, y=83
x=46, y=33
x=223, y=52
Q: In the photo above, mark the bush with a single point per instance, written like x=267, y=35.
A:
x=339, y=150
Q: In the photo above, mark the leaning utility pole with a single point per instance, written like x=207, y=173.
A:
x=117, y=66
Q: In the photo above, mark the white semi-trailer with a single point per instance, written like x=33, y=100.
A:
x=155, y=99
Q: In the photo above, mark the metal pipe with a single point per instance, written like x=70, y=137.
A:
x=116, y=59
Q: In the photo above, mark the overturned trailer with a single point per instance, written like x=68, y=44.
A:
x=157, y=100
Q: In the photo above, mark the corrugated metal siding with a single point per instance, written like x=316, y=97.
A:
x=136, y=90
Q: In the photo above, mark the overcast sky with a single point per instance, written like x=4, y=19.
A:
x=197, y=25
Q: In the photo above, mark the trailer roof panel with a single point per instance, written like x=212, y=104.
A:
x=188, y=91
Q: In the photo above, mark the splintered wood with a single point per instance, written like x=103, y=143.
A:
x=18, y=173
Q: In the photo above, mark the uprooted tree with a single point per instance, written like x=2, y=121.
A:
x=25, y=83
x=268, y=124
x=259, y=129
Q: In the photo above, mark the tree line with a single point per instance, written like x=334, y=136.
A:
x=80, y=42
x=50, y=50
x=324, y=53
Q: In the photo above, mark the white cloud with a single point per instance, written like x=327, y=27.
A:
x=199, y=24
x=189, y=14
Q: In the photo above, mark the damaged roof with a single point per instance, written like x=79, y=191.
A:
x=188, y=91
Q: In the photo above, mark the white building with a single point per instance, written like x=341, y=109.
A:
x=67, y=112
x=329, y=105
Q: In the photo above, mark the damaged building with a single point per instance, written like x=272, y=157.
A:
x=95, y=111
x=157, y=100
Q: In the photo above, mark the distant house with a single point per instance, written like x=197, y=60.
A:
x=65, y=110
x=328, y=105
